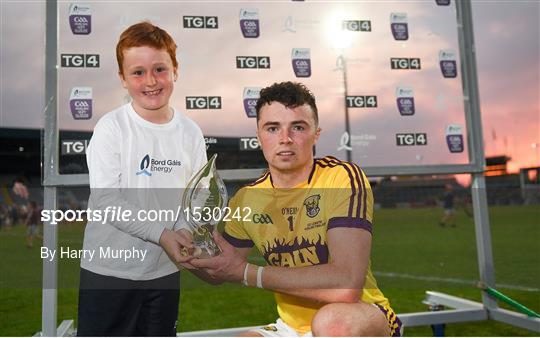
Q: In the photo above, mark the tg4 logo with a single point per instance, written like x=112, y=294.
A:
x=411, y=139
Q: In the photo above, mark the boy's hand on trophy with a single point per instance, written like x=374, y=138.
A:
x=178, y=246
x=194, y=251
x=227, y=266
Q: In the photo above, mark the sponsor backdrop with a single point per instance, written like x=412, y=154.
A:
x=393, y=66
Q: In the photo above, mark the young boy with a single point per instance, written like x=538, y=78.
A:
x=136, y=149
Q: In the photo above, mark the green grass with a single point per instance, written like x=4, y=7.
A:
x=406, y=242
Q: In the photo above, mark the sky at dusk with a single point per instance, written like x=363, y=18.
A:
x=507, y=45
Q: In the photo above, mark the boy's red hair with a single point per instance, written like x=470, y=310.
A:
x=145, y=34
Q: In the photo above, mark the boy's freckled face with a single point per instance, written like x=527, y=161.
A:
x=149, y=77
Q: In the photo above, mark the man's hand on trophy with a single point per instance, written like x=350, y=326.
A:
x=179, y=247
x=228, y=266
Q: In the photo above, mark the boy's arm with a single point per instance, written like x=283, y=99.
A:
x=104, y=170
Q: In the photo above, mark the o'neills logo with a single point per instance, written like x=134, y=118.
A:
x=149, y=166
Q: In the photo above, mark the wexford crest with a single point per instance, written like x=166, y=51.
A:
x=312, y=205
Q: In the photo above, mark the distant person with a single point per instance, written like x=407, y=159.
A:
x=136, y=149
x=8, y=221
x=32, y=221
x=14, y=214
x=20, y=189
x=448, y=218
x=311, y=219
x=2, y=216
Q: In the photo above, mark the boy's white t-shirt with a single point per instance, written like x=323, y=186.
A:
x=137, y=165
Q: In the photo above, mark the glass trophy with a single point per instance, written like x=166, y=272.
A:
x=203, y=204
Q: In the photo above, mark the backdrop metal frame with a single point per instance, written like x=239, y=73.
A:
x=465, y=310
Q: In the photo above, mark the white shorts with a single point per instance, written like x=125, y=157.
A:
x=279, y=329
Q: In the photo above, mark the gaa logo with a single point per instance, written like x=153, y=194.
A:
x=411, y=139
x=80, y=19
x=301, y=62
x=253, y=62
x=262, y=219
x=357, y=25
x=399, y=26
x=250, y=98
x=81, y=104
x=79, y=60
x=249, y=22
x=405, y=63
x=369, y=101
x=203, y=102
x=201, y=22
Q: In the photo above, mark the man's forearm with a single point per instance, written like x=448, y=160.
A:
x=326, y=295
x=323, y=276
x=325, y=283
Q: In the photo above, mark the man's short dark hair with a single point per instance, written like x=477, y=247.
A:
x=290, y=94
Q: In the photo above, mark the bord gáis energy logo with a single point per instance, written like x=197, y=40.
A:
x=145, y=163
x=148, y=166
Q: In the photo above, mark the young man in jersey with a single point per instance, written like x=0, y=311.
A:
x=311, y=219
x=135, y=150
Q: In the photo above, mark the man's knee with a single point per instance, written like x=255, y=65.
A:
x=343, y=319
x=331, y=321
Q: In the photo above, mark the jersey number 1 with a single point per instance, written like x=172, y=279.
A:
x=291, y=220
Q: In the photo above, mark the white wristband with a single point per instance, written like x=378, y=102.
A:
x=259, y=277
x=245, y=282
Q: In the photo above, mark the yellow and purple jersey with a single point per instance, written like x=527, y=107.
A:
x=289, y=226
